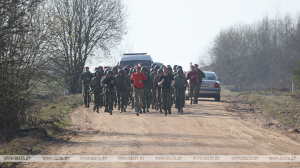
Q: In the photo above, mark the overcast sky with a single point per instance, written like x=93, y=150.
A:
x=179, y=31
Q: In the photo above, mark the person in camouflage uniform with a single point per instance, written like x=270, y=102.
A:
x=122, y=86
x=154, y=90
x=96, y=88
x=180, y=84
x=158, y=89
x=147, y=90
x=165, y=81
x=199, y=83
x=127, y=96
x=86, y=79
x=110, y=83
x=175, y=70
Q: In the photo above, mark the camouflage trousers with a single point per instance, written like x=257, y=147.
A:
x=98, y=99
x=109, y=96
x=166, y=99
x=122, y=98
x=198, y=89
x=180, y=98
x=86, y=95
x=138, y=98
x=154, y=90
x=146, y=98
x=193, y=90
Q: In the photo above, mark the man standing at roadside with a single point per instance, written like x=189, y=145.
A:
x=138, y=79
x=165, y=81
x=85, y=80
x=201, y=75
x=193, y=77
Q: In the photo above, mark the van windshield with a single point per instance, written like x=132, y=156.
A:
x=134, y=63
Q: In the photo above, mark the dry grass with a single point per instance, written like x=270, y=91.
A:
x=52, y=117
x=283, y=106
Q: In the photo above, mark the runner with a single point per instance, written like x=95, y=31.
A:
x=180, y=87
x=165, y=81
x=193, y=77
x=86, y=79
x=110, y=84
x=147, y=90
x=138, y=79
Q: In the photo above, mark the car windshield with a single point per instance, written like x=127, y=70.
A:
x=209, y=76
x=134, y=63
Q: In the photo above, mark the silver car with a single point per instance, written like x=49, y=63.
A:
x=210, y=87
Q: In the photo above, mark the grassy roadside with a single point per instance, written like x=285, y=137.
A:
x=282, y=106
x=52, y=117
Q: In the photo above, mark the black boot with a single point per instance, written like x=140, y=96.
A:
x=178, y=110
x=166, y=112
x=181, y=110
x=191, y=101
x=124, y=109
x=110, y=111
x=144, y=111
x=160, y=110
x=170, y=111
x=106, y=109
x=152, y=107
x=118, y=107
x=97, y=109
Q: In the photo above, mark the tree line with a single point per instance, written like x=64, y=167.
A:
x=256, y=56
x=46, y=43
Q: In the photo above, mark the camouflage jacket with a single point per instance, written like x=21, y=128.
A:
x=96, y=84
x=110, y=86
x=201, y=75
x=155, y=81
x=85, y=75
x=149, y=83
x=123, y=82
x=180, y=82
x=153, y=74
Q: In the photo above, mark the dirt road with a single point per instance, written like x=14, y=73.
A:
x=203, y=129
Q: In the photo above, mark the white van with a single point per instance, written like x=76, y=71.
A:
x=134, y=59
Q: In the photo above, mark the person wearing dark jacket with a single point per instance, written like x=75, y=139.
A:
x=193, y=77
x=109, y=83
x=199, y=83
x=165, y=82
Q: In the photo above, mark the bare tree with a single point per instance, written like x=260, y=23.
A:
x=22, y=59
x=79, y=28
x=258, y=55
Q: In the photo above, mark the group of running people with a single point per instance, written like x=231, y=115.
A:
x=141, y=87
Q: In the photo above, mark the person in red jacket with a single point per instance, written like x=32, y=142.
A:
x=193, y=77
x=138, y=79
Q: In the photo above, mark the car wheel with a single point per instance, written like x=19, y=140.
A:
x=217, y=98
